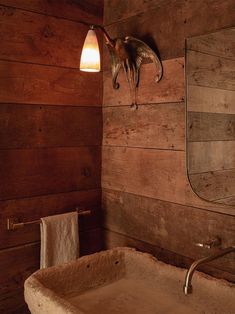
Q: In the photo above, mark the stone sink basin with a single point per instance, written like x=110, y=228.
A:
x=124, y=281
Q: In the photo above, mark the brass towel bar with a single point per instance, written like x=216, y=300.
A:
x=12, y=225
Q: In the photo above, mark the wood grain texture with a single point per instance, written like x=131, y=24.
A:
x=40, y=39
x=20, y=262
x=214, y=185
x=220, y=43
x=50, y=129
x=152, y=173
x=114, y=239
x=147, y=199
x=228, y=200
x=166, y=225
x=210, y=71
x=152, y=126
x=28, y=172
x=34, y=208
x=211, y=157
x=35, y=84
x=158, y=174
x=206, y=99
x=126, y=9
x=28, y=126
x=91, y=11
x=169, y=89
x=210, y=126
x=168, y=22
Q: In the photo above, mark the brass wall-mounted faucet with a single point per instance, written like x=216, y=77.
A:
x=189, y=275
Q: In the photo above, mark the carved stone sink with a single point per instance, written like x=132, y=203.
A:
x=124, y=281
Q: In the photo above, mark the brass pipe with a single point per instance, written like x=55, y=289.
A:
x=189, y=275
x=12, y=225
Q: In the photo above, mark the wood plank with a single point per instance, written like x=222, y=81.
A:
x=169, y=226
x=17, y=263
x=148, y=172
x=91, y=241
x=210, y=71
x=210, y=127
x=158, y=174
x=152, y=126
x=126, y=9
x=34, y=208
x=28, y=172
x=206, y=99
x=91, y=11
x=35, y=84
x=114, y=239
x=169, y=89
x=214, y=185
x=220, y=43
x=20, y=262
x=40, y=39
x=189, y=18
x=210, y=156
x=28, y=126
x=228, y=200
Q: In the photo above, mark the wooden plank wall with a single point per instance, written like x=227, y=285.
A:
x=50, y=131
x=148, y=202
x=211, y=134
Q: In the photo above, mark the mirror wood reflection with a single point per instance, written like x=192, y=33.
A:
x=210, y=74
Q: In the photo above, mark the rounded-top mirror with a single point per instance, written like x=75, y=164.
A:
x=210, y=73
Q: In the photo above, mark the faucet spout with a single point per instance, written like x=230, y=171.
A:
x=189, y=275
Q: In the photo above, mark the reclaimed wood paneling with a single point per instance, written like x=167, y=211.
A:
x=20, y=262
x=152, y=173
x=126, y=9
x=210, y=126
x=152, y=126
x=214, y=185
x=148, y=172
x=36, y=84
x=206, y=99
x=169, y=22
x=40, y=39
x=30, y=172
x=220, y=43
x=28, y=126
x=163, y=214
x=16, y=264
x=228, y=200
x=91, y=11
x=50, y=130
x=173, y=227
x=210, y=156
x=34, y=208
x=210, y=71
x=169, y=89
x=114, y=239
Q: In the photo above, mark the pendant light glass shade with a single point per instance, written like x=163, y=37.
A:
x=90, y=58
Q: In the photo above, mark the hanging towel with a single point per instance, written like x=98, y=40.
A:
x=59, y=239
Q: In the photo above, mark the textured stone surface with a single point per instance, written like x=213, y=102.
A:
x=123, y=280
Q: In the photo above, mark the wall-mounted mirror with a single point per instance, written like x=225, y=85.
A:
x=210, y=73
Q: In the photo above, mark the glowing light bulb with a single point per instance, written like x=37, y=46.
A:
x=90, y=58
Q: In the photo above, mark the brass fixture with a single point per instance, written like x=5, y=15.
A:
x=127, y=53
x=13, y=225
x=215, y=242
x=188, y=289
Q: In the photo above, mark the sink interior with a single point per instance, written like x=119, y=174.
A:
x=123, y=280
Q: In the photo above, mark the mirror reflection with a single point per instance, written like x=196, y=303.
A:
x=210, y=71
